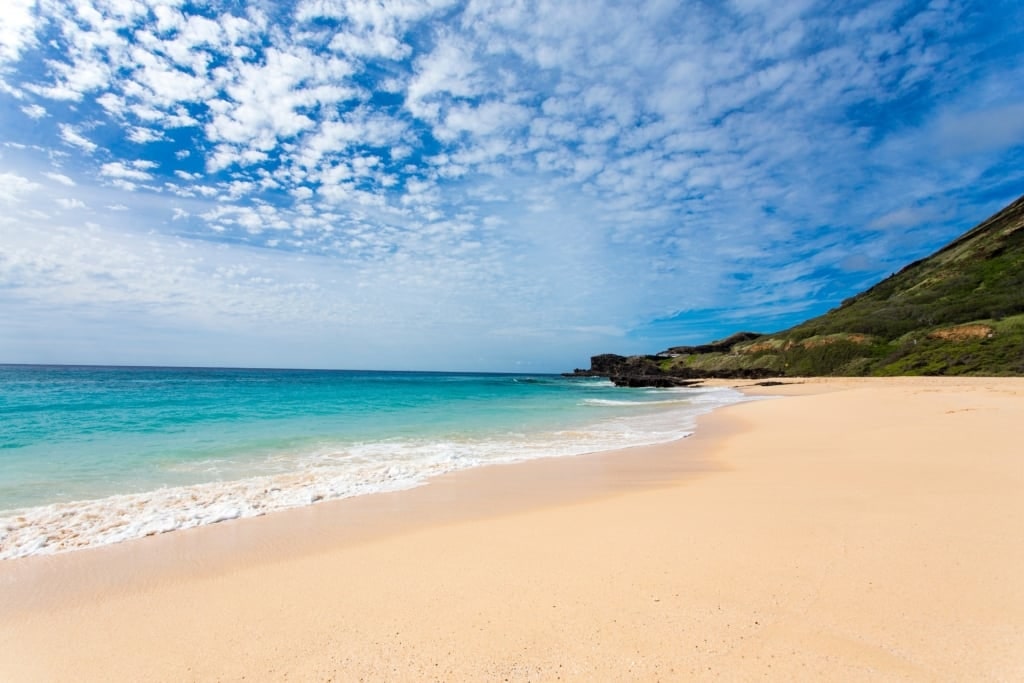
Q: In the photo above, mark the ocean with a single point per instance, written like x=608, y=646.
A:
x=97, y=455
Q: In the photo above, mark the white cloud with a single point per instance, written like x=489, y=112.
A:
x=125, y=185
x=484, y=119
x=60, y=178
x=13, y=187
x=70, y=203
x=355, y=128
x=71, y=136
x=264, y=100
x=161, y=85
x=102, y=268
x=448, y=71
x=140, y=135
x=370, y=44
x=17, y=28
x=34, y=111
x=119, y=170
x=74, y=79
x=114, y=104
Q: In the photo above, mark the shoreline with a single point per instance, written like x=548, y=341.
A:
x=328, y=468
x=741, y=551
x=478, y=492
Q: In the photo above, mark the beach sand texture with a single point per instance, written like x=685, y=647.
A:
x=853, y=530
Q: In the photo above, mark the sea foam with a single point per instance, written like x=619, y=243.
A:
x=331, y=471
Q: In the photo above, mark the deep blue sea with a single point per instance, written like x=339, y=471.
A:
x=95, y=455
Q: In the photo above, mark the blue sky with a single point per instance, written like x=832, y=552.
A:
x=512, y=186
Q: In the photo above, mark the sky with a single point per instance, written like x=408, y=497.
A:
x=500, y=185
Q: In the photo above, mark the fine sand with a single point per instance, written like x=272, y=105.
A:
x=851, y=530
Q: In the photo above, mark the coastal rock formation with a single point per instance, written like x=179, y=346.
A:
x=654, y=371
x=631, y=371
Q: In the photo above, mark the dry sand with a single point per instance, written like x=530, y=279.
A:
x=854, y=530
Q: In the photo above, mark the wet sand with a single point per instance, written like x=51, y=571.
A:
x=852, y=530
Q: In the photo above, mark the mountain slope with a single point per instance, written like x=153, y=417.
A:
x=958, y=311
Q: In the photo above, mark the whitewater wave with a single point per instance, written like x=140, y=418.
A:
x=639, y=404
x=326, y=473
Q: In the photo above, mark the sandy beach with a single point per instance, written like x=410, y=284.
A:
x=862, y=529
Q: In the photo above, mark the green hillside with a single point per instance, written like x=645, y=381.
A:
x=958, y=312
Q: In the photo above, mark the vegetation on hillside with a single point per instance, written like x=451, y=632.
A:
x=958, y=312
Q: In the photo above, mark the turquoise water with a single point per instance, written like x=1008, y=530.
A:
x=93, y=455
